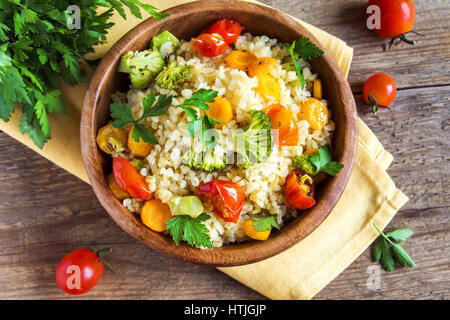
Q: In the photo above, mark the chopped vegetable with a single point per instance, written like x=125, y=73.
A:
x=265, y=223
x=259, y=66
x=317, y=89
x=259, y=228
x=323, y=162
x=284, y=124
x=238, y=59
x=188, y=205
x=305, y=50
x=226, y=197
x=138, y=148
x=118, y=192
x=165, y=43
x=173, y=75
x=192, y=230
x=209, y=160
x=315, y=113
x=386, y=250
x=269, y=87
x=111, y=140
x=155, y=214
x=210, y=45
x=123, y=115
x=129, y=179
x=302, y=163
x=228, y=29
x=138, y=164
x=299, y=190
x=221, y=110
x=142, y=66
x=254, y=143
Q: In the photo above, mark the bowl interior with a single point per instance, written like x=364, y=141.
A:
x=185, y=22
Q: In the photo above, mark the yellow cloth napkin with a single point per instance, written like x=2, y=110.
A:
x=303, y=270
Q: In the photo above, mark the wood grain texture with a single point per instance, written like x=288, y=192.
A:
x=185, y=22
x=45, y=212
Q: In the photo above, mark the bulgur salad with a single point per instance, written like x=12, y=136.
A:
x=221, y=138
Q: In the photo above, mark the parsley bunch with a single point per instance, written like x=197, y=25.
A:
x=37, y=50
x=305, y=50
x=386, y=250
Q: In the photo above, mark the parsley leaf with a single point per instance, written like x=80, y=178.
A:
x=190, y=229
x=322, y=161
x=305, y=50
x=264, y=223
x=37, y=49
x=123, y=115
x=387, y=252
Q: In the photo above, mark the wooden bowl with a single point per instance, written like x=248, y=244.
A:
x=185, y=22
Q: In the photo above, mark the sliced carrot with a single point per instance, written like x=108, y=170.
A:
x=155, y=214
x=238, y=59
x=261, y=66
x=316, y=113
x=269, y=87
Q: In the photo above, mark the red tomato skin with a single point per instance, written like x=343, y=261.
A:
x=382, y=87
x=90, y=270
x=397, y=17
x=295, y=195
x=230, y=30
x=210, y=45
x=129, y=179
x=227, y=198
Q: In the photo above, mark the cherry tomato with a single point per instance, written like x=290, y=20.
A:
x=79, y=271
x=229, y=30
x=299, y=190
x=379, y=91
x=283, y=120
x=397, y=17
x=129, y=179
x=226, y=197
x=210, y=45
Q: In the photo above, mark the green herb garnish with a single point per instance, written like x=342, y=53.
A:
x=123, y=115
x=318, y=162
x=190, y=229
x=386, y=251
x=305, y=50
x=38, y=49
x=265, y=223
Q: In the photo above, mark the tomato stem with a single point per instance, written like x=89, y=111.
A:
x=403, y=38
x=374, y=104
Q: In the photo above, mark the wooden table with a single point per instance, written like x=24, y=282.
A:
x=45, y=212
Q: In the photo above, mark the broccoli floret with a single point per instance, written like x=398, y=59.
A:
x=254, y=143
x=210, y=160
x=302, y=163
x=142, y=66
x=165, y=42
x=173, y=75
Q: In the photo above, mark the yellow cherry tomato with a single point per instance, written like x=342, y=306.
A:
x=250, y=231
x=111, y=140
x=317, y=89
x=316, y=113
x=118, y=192
x=220, y=109
x=139, y=149
x=155, y=214
x=238, y=59
x=269, y=87
x=260, y=66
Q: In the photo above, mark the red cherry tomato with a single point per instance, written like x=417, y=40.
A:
x=379, y=91
x=299, y=190
x=226, y=197
x=229, y=30
x=397, y=17
x=283, y=120
x=129, y=179
x=79, y=271
x=210, y=45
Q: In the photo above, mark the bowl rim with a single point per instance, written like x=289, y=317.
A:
x=227, y=255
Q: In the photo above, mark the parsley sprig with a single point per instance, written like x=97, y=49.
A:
x=37, y=50
x=192, y=230
x=386, y=250
x=264, y=223
x=123, y=115
x=305, y=50
x=204, y=124
x=322, y=161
